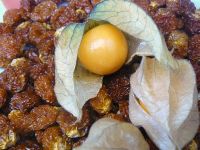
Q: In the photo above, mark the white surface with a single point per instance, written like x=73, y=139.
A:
x=2, y=10
x=197, y=3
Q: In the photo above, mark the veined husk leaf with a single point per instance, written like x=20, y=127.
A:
x=109, y=134
x=170, y=98
x=74, y=84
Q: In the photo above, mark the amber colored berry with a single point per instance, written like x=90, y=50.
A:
x=23, y=30
x=178, y=42
x=13, y=17
x=5, y=28
x=43, y=11
x=7, y=135
x=44, y=88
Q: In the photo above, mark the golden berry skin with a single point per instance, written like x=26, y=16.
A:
x=103, y=49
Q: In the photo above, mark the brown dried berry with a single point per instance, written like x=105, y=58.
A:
x=3, y=96
x=8, y=137
x=4, y=28
x=39, y=118
x=194, y=48
x=69, y=126
x=178, y=42
x=32, y=54
x=63, y=16
x=124, y=109
x=27, y=145
x=12, y=17
x=118, y=87
x=44, y=88
x=36, y=31
x=192, y=23
x=102, y=102
x=27, y=5
x=37, y=70
x=52, y=139
x=13, y=79
x=83, y=5
x=10, y=48
x=42, y=12
x=24, y=101
x=23, y=30
x=167, y=21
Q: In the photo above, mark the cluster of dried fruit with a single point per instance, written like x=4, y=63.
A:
x=30, y=117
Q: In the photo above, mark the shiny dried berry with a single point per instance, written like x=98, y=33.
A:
x=23, y=30
x=3, y=96
x=167, y=21
x=114, y=116
x=4, y=28
x=42, y=12
x=102, y=102
x=12, y=17
x=46, y=44
x=36, y=31
x=24, y=101
x=70, y=127
x=124, y=109
x=64, y=16
x=178, y=42
x=8, y=137
x=142, y=3
x=39, y=118
x=194, y=48
x=13, y=79
x=21, y=63
x=192, y=23
x=52, y=139
x=44, y=88
x=118, y=87
x=27, y=145
x=10, y=48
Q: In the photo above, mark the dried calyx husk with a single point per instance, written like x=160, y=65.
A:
x=165, y=87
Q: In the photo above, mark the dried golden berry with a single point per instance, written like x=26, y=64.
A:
x=178, y=42
x=4, y=28
x=13, y=17
x=102, y=102
x=114, y=116
x=8, y=137
x=3, y=96
x=63, y=16
x=43, y=11
x=10, y=48
x=14, y=79
x=44, y=88
x=52, y=139
x=167, y=21
x=39, y=118
x=24, y=101
x=70, y=127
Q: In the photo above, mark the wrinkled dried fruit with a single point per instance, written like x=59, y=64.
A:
x=13, y=17
x=118, y=87
x=70, y=127
x=44, y=88
x=194, y=48
x=4, y=28
x=52, y=139
x=178, y=42
x=43, y=11
x=124, y=109
x=3, y=96
x=39, y=118
x=13, y=79
x=37, y=70
x=7, y=135
x=102, y=102
x=23, y=30
x=24, y=101
x=167, y=21
x=192, y=22
x=63, y=16
x=10, y=48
